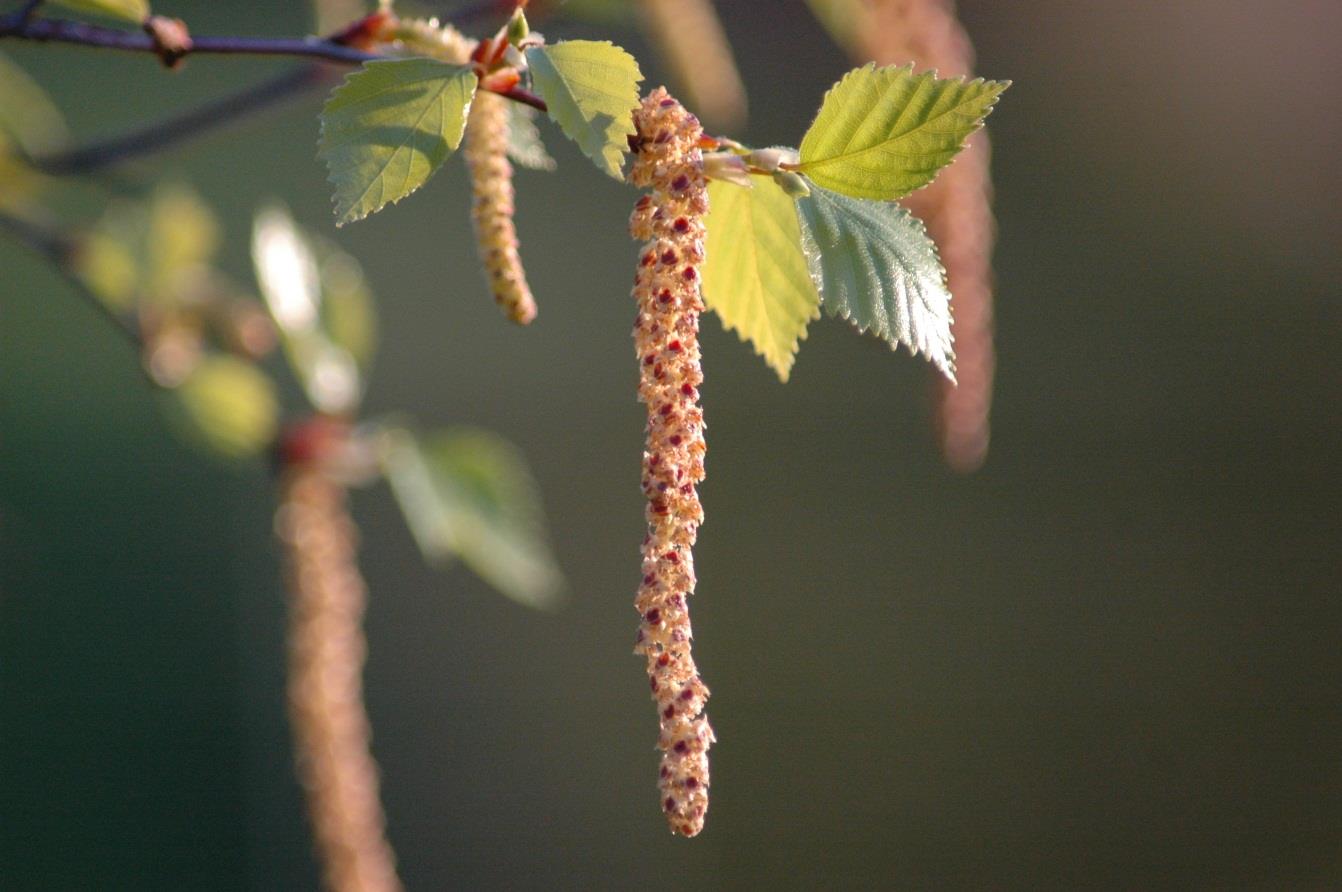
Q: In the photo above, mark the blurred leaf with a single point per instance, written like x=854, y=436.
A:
x=348, y=312
x=225, y=406
x=755, y=276
x=875, y=266
x=291, y=282
x=182, y=239
x=591, y=88
x=524, y=139
x=111, y=258
x=388, y=127
x=469, y=494
x=883, y=132
x=27, y=114
x=127, y=10
x=332, y=15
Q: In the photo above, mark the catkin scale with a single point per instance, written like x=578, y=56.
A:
x=670, y=222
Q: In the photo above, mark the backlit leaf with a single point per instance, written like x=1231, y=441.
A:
x=28, y=117
x=524, y=139
x=875, y=266
x=225, y=406
x=591, y=89
x=469, y=494
x=755, y=275
x=388, y=127
x=884, y=132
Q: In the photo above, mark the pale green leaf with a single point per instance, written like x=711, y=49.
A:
x=291, y=280
x=27, y=114
x=182, y=238
x=591, y=89
x=127, y=10
x=755, y=275
x=388, y=127
x=524, y=139
x=225, y=406
x=875, y=266
x=883, y=132
x=469, y=494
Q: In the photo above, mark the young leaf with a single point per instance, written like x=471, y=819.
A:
x=876, y=267
x=127, y=10
x=755, y=275
x=226, y=406
x=524, y=139
x=591, y=88
x=470, y=494
x=883, y=132
x=388, y=127
x=293, y=286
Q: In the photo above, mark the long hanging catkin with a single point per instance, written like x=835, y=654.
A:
x=326, y=711
x=666, y=336
x=957, y=208
x=486, y=155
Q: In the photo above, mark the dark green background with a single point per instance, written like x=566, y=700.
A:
x=1109, y=660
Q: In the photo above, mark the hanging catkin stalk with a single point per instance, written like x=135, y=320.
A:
x=326, y=709
x=492, y=206
x=957, y=208
x=666, y=336
x=486, y=154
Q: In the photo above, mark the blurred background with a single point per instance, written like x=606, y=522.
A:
x=1109, y=659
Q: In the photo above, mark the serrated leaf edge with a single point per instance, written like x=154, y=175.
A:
x=617, y=171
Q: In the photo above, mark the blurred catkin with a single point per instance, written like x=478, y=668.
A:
x=492, y=206
x=957, y=208
x=670, y=222
x=689, y=35
x=326, y=708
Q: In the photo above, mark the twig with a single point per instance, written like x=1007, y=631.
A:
x=59, y=251
x=163, y=134
x=28, y=9
x=79, y=33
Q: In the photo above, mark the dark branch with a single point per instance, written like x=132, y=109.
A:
x=59, y=251
x=163, y=134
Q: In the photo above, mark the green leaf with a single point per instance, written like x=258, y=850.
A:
x=524, y=139
x=225, y=406
x=591, y=89
x=388, y=127
x=27, y=114
x=469, y=494
x=884, y=132
x=755, y=275
x=875, y=266
x=128, y=10
x=182, y=238
x=293, y=286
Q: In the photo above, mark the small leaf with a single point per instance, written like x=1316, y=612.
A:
x=388, y=127
x=291, y=283
x=469, y=494
x=225, y=406
x=182, y=238
x=127, y=10
x=755, y=275
x=883, y=132
x=27, y=114
x=876, y=267
x=591, y=88
x=524, y=139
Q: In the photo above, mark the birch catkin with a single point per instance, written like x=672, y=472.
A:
x=486, y=155
x=666, y=336
x=957, y=208
x=326, y=655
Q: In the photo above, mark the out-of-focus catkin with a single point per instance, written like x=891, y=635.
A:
x=957, y=208
x=670, y=221
x=691, y=37
x=326, y=711
x=492, y=206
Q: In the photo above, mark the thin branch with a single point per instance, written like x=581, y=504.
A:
x=163, y=134
x=60, y=251
x=82, y=34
